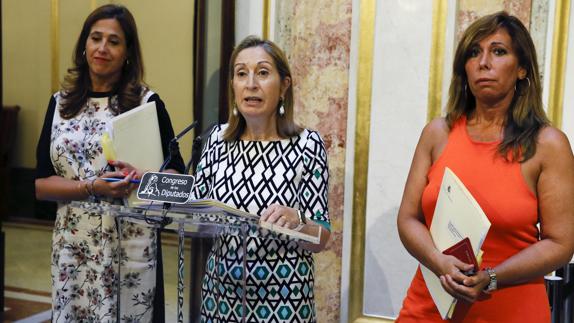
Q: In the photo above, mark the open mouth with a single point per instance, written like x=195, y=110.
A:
x=253, y=99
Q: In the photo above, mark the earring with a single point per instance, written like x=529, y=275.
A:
x=235, y=113
x=127, y=62
x=281, y=108
x=84, y=53
x=522, y=89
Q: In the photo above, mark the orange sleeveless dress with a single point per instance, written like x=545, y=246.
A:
x=500, y=189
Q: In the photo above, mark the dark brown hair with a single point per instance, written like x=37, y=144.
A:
x=77, y=82
x=526, y=116
x=286, y=126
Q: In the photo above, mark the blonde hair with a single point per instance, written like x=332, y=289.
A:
x=286, y=126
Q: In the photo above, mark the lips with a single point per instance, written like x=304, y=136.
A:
x=100, y=59
x=253, y=100
x=484, y=80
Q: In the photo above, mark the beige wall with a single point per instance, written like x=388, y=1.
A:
x=26, y=70
x=166, y=34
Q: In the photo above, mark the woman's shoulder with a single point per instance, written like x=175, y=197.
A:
x=217, y=131
x=57, y=96
x=56, y=100
x=148, y=95
x=436, y=131
x=311, y=140
x=552, y=142
x=437, y=126
x=308, y=135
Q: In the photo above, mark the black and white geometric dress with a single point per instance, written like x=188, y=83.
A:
x=251, y=175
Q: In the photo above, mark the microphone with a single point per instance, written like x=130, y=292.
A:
x=186, y=130
x=174, y=146
x=196, y=148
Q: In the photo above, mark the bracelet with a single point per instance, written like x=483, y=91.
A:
x=302, y=219
x=93, y=190
x=86, y=189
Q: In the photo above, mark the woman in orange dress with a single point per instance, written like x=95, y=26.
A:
x=497, y=140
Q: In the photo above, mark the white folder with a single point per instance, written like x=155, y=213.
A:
x=136, y=140
x=457, y=215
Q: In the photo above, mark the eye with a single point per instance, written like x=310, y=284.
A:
x=95, y=38
x=240, y=73
x=499, y=51
x=263, y=73
x=474, y=52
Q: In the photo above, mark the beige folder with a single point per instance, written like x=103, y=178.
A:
x=136, y=140
x=457, y=215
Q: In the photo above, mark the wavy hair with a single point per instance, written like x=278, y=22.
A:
x=129, y=88
x=286, y=126
x=526, y=116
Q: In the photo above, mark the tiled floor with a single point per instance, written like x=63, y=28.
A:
x=27, y=273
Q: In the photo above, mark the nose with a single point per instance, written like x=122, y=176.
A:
x=484, y=61
x=252, y=81
x=103, y=46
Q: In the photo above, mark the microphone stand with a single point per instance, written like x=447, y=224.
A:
x=173, y=150
x=196, y=148
x=174, y=145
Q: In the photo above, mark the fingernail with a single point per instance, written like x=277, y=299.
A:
x=125, y=172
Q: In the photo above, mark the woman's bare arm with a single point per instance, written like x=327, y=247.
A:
x=413, y=231
x=555, y=191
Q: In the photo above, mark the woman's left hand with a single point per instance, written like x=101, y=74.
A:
x=281, y=215
x=469, y=290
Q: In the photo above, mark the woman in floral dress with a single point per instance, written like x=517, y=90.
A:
x=263, y=163
x=106, y=80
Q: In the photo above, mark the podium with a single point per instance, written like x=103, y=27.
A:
x=189, y=221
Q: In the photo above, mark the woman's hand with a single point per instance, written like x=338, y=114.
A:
x=287, y=217
x=450, y=265
x=281, y=216
x=467, y=288
x=119, y=189
x=126, y=168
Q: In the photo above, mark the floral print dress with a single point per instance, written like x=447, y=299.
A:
x=90, y=267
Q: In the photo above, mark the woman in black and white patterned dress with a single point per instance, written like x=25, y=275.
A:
x=263, y=163
x=107, y=80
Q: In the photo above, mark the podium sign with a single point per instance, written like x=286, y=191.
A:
x=165, y=187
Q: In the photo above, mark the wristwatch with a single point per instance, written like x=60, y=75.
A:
x=492, y=285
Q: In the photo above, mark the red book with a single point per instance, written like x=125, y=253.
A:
x=462, y=250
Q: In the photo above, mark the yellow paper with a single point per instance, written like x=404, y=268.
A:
x=108, y=147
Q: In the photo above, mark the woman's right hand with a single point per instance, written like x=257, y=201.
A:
x=450, y=265
x=451, y=273
x=119, y=189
